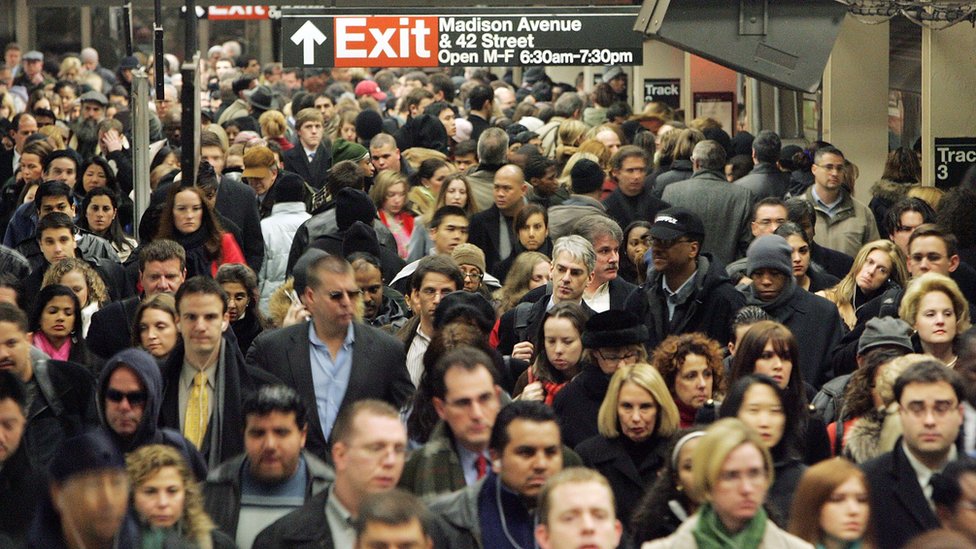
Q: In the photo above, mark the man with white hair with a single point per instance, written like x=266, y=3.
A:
x=89, y=61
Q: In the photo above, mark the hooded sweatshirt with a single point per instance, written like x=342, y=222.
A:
x=144, y=366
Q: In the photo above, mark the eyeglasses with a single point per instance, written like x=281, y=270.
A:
x=616, y=358
x=473, y=275
x=336, y=295
x=939, y=408
x=666, y=244
x=135, y=398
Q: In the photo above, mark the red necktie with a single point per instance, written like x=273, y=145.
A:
x=481, y=464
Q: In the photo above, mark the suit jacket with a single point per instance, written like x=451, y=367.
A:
x=313, y=173
x=225, y=439
x=111, y=327
x=898, y=506
x=484, y=233
x=379, y=371
x=725, y=209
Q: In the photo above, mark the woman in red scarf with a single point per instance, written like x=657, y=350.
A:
x=559, y=354
x=389, y=194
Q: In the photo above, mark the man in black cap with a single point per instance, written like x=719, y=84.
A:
x=261, y=99
x=813, y=320
x=88, y=499
x=240, y=105
x=688, y=291
x=586, y=179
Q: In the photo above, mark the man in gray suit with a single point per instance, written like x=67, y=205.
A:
x=726, y=209
x=333, y=361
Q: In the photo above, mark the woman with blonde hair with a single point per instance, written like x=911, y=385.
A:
x=636, y=421
x=731, y=473
x=389, y=194
x=82, y=279
x=831, y=506
x=274, y=127
x=878, y=267
x=168, y=501
x=568, y=138
x=681, y=169
x=935, y=307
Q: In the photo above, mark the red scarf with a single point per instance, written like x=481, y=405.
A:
x=686, y=414
x=550, y=388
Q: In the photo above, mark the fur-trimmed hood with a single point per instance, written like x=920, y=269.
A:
x=890, y=191
x=873, y=434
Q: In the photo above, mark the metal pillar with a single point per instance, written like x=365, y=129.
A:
x=140, y=145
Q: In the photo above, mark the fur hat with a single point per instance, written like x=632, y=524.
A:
x=614, y=329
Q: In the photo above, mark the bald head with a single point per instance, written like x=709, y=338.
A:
x=510, y=189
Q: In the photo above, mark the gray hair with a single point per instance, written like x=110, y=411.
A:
x=767, y=146
x=492, y=146
x=578, y=248
x=594, y=226
x=568, y=104
x=709, y=154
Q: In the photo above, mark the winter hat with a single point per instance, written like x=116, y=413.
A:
x=885, y=330
x=463, y=128
x=347, y=150
x=531, y=123
x=353, y=205
x=92, y=451
x=769, y=252
x=423, y=131
x=586, y=176
x=613, y=329
x=289, y=189
x=470, y=305
x=360, y=237
x=369, y=124
x=469, y=254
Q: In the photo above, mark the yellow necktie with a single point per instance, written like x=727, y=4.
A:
x=197, y=411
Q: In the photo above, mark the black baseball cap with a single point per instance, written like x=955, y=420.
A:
x=676, y=222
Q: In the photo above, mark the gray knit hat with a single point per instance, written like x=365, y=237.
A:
x=885, y=330
x=769, y=252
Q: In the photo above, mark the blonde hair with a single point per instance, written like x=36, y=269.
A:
x=565, y=178
x=96, y=287
x=55, y=137
x=934, y=282
x=144, y=462
x=843, y=292
x=648, y=378
x=568, y=136
x=272, y=124
x=383, y=182
x=721, y=439
x=930, y=195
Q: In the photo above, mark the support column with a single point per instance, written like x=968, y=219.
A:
x=855, y=99
x=948, y=81
x=86, y=26
x=23, y=25
x=265, y=53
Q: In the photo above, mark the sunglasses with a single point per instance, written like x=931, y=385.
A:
x=135, y=398
x=336, y=295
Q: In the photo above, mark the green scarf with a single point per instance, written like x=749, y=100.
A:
x=710, y=533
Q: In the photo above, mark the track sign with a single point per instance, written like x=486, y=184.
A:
x=422, y=38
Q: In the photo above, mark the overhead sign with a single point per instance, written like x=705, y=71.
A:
x=237, y=13
x=667, y=91
x=953, y=157
x=421, y=38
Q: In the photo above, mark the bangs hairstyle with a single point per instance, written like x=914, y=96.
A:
x=143, y=463
x=646, y=377
x=753, y=343
x=669, y=358
x=814, y=491
x=721, y=439
x=934, y=282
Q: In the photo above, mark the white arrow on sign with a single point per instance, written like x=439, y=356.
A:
x=308, y=35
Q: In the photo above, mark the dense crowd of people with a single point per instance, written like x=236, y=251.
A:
x=403, y=308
